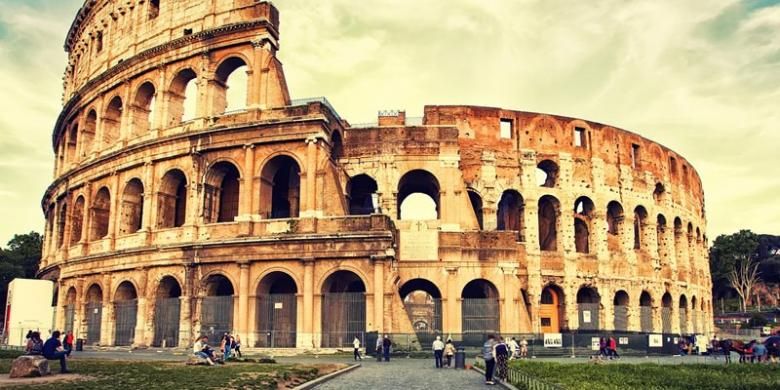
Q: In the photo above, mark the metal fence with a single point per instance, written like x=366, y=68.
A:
x=683, y=320
x=166, y=322
x=276, y=319
x=666, y=319
x=70, y=317
x=426, y=319
x=621, y=318
x=94, y=316
x=216, y=317
x=125, y=314
x=646, y=318
x=480, y=316
x=519, y=378
x=343, y=318
x=588, y=314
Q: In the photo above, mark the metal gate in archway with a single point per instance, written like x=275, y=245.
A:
x=70, y=317
x=426, y=319
x=125, y=314
x=646, y=318
x=666, y=319
x=621, y=318
x=275, y=317
x=343, y=318
x=166, y=322
x=94, y=315
x=683, y=320
x=216, y=317
x=480, y=315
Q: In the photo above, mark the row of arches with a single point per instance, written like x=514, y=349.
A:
x=99, y=129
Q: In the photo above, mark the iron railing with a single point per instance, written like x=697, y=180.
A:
x=275, y=316
x=125, y=314
x=216, y=317
x=166, y=322
x=621, y=318
x=343, y=318
x=480, y=316
x=94, y=316
x=588, y=314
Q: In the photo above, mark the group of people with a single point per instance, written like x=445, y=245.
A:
x=497, y=352
x=230, y=346
x=608, y=348
x=52, y=348
x=442, y=351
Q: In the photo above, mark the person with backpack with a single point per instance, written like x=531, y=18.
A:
x=501, y=352
x=34, y=344
x=490, y=361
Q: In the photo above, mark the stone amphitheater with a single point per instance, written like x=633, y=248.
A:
x=192, y=195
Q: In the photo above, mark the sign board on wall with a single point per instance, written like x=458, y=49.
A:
x=553, y=340
x=586, y=316
x=419, y=242
x=595, y=343
x=623, y=340
x=655, y=341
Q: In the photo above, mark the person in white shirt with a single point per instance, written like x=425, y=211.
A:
x=202, y=350
x=356, y=344
x=438, y=351
x=514, y=349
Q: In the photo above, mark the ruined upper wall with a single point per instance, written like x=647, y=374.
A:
x=108, y=32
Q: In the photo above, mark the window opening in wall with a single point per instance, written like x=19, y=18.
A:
x=418, y=196
x=685, y=173
x=673, y=165
x=231, y=92
x=154, y=8
x=579, y=137
x=549, y=208
x=187, y=31
x=510, y=213
x=546, y=173
x=99, y=41
x=634, y=156
x=659, y=192
x=506, y=129
x=476, y=205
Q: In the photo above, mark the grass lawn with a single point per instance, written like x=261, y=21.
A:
x=653, y=376
x=107, y=374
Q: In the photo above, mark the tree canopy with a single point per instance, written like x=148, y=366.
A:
x=19, y=259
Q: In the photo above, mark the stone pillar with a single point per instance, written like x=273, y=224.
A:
x=248, y=182
x=243, y=299
x=452, y=310
x=379, y=296
x=307, y=338
x=85, y=221
x=308, y=207
x=107, y=320
x=114, y=213
x=510, y=302
x=141, y=316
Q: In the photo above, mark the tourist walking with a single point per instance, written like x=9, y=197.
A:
x=386, y=344
x=449, y=352
x=524, y=349
x=356, y=344
x=490, y=361
x=52, y=350
x=502, y=355
x=378, y=348
x=224, y=347
x=603, y=348
x=438, y=352
x=67, y=342
x=613, y=348
x=237, y=344
x=514, y=349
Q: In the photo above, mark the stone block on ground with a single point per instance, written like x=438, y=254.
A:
x=29, y=366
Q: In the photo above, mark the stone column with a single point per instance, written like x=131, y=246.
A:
x=308, y=208
x=379, y=296
x=453, y=312
x=243, y=299
x=114, y=213
x=306, y=339
x=248, y=182
x=107, y=320
x=141, y=316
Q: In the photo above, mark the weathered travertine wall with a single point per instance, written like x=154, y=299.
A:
x=166, y=208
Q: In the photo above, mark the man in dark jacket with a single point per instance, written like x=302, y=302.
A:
x=52, y=350
x=386, y=343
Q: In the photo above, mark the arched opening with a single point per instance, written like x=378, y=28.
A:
x=343, y=309
x=167, y=311
x=72, y=143
x=281, y=184
x=646, y=312
x=660, y=232
x=182, y=97
x=583, y=217
x=683, y=314
x=659, y=193
x=666, y=313
x=276, y=311
x=125, y=313
x=694, y=315
x=101, y=210
x=679, y=248
x=77, y=221
x=154, y=8
x=132, y=207
x=549, y=208
x=620, y=303
x=418, y=196
x=480, y=309
x=588, y=307
x=70, y=310
x=87, y=138
x=362, y=193
x=640, y=222
x=615, y=219
x=221, y=193
x=62, y=219
x=216, y=308
x=112, y=122
x=511, y=213
x=230, y=92
x=476, y=206
x=337, y=146
x=172, y=200
x=422, y=301
x=551, y=309
x=94, y=312
x=143, y=109
x=691, y=249
x=547, y=174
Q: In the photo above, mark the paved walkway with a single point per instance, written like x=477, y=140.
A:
x=407, y=374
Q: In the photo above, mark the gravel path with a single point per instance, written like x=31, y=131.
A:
x=406, y=374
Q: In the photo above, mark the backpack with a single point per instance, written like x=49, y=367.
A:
x=37, y=347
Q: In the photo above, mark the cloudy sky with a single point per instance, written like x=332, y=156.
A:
x=702, y=77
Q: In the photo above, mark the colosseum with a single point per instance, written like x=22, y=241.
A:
x=181, y=207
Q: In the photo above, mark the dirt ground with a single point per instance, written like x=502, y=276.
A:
x=6, y=381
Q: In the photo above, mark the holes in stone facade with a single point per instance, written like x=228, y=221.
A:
x=77, y=221
x=101, y=211
x=280, y=183
x=112, y=122
x=476, y=205
x=418, y=196
x=221, y=193
x=549, y=209
x=511, y=213
x=143, y=109
x=183, y=97
x=547, y=174
x=172, y=200
x=583, y=217
x=362, y=195
x=230, y=91
x=132, y=207
x=640, y=221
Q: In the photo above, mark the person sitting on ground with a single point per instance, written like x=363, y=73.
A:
x=34, y=344
x=202, y=350
x=449, y=352
x=52, y=350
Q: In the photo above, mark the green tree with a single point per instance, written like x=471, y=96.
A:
x=732, y=263
x=19, y=260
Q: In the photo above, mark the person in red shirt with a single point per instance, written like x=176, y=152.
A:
x=613, y=348
x=68, y=342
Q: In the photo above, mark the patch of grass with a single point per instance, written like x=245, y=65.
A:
x=175, y=375
x=653, y=376
x=10, y=354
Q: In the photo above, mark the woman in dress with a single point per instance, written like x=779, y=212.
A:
x=501, y=352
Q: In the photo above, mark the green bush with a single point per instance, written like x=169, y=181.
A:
x=758, y=319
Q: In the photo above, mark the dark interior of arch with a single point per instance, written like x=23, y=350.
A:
x=550, y=170
x=337, y=147
x=221, y=193
x=218, y=285
x=360, y=189
x=614, y=217
x=548, y=223
x=283, y=173
x=583, y=213
x=419, y=285
x=125, y=292
x=132, y=207
x=343, y=282
x=418, y=181
x=549, y=293
x=510, y=212
x=587, y=295
x=168, y=288
x=666, y=300
x=101, y=209
x=172, y=200
x=621, y=298
x=645, y=299
x=277, y=283
x=479, y=289
x=94, y=294
x=476, y=205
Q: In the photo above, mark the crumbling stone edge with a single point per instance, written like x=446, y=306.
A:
x=318, y=381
